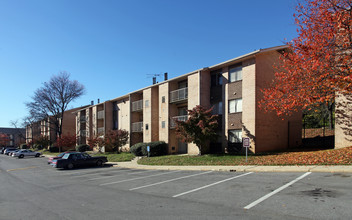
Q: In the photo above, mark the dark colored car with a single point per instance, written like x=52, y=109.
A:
x=59, y=156
x=78, y=159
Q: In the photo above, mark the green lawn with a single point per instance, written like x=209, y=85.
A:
x=114, y=157
x=192, y=160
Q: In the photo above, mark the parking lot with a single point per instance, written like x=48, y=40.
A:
x=119, y=193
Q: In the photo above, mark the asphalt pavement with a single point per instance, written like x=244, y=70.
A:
x=32, y=189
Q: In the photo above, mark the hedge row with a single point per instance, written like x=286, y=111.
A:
x=157, y=148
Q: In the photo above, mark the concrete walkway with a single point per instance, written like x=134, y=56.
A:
x=251, y=168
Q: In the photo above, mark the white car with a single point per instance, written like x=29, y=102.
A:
x=23, y=153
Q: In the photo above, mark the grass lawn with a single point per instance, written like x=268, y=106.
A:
x=114, y=157
x=299, y=157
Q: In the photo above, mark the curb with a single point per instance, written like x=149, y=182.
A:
x=328, y=169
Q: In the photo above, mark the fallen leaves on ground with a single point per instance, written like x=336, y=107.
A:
x=322, y=157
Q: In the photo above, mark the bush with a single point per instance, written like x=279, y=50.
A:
x=24, y=146
x=157, y=148
x=38, y=147
x=82, y=148
x=137, y=149
x=53, y=148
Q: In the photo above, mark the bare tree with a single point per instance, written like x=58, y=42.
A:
x=52, y=99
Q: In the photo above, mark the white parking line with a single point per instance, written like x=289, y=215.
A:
x=107, y=177
x=90, y=174
x=276, y=191
x=69, y=173
x=166, y=181
x=203, y=187
x=143, y=177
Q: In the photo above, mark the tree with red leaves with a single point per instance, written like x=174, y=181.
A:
x=66, y=142
x=115, y=139
x=4, y=139
x=97, y=141
x=200, y=128
x=318, y=63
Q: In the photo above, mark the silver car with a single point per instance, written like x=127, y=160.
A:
x=23, y=153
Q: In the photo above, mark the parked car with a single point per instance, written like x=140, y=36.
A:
x=2, y=150
x=12, y=152
x=23, y=153
x=8, y=150
x=57, y=157
x=77, y=159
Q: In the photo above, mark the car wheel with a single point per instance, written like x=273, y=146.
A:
x=99, y=163
x=37, y=155
x=21, y=156
x=70, y=166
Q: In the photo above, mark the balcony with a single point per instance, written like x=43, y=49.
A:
x=83, y=133
x=179, y=95
x=137, y=106
x=101, y=130
x=177, y=118
x=101, y=114
x=137, y=127
x=82, y=118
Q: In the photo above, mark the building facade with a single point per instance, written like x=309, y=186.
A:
x=232, y=88
x=12, y=137
x=46, y=127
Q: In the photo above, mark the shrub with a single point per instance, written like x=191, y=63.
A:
x=157, y=148
x=24, y=146
x=37, y=146
x=82, y=147
x=53, y=148
x=137, y=149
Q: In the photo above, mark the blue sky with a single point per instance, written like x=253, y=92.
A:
x=111, y=46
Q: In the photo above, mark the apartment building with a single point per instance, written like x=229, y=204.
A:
x=232, y=88
x=46, y=128
x=12, y=136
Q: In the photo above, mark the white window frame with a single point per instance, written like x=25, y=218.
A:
x=236, y=136
x=235, y=74
x=237, y=105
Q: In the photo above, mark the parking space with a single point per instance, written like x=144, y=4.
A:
x=301, y=195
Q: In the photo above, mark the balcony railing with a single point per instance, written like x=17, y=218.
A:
x=137, y=105
x=137, y=127
x=177, y=118
x=101, y=114
x=179, y=95
x=101, y=130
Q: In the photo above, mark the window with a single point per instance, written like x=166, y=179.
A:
x=163, y=99
x=182, y=111
x=114, y=116
x=163, y=124
x=217, y=108
x=235, y=105
x=146, y=103
x=235, y=74
x=183, y=84
x=216, y=79
x=235, y=136
x=146, y=126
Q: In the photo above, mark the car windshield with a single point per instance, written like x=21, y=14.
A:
x=61, y=155
x=65, y=156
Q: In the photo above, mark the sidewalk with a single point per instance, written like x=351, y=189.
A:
x=251, y=168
